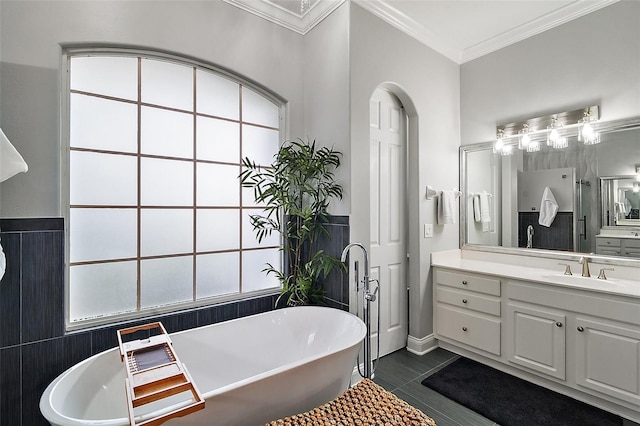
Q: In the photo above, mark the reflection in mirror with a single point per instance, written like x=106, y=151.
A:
x=553, y=199
x=620, y=200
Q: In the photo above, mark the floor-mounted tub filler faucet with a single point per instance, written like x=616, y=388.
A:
x=530, y=233
x=368, y=297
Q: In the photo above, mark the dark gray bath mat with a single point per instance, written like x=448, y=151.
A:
x=511, y=401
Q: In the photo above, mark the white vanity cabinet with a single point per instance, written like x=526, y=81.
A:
x=468, y=309
x=573, y=339
x=536, y=338
x=608, y=357
x=613, y=246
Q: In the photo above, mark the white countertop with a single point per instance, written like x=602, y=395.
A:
x=622, y=281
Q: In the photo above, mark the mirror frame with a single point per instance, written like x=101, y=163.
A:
x=623, y=224
x=602, y=126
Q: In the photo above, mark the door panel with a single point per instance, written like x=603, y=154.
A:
x=388, y=217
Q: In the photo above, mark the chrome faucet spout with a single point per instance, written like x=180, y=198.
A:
x=584, y=261
x=345, y=252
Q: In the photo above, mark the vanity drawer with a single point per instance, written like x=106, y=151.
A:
x=469, y=328
x=635, y=253
x=468, y=300
x=607, y=242
x=608, y=251
x=632, y=243
x=477, y=283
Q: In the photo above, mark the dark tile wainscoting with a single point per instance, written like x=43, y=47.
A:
x=559, y=236
x=34, y=347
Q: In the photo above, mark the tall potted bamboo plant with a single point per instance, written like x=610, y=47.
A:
x=296, y=190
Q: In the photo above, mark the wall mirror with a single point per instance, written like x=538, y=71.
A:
x=595, y=188
x=620, y=200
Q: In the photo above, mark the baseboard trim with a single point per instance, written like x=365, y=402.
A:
x=421, y=346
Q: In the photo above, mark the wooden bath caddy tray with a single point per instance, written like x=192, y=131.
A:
x=154, y=373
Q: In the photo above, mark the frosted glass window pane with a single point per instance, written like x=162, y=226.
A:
x=103, y=124
x=249, y=239
x=101, y=179
x=217, y=96
x=259, y=144
x=112, y=76
x=218, y=230
x=253, y=262
x=218, y=140
x=166, y=281
x=167, y=84
x=166, y=182
x=249, y=198
x=218, y=185
x=102, y=289
x=166, y=133
x=166, y=231
x=258, y=109
x=217, y=274
x=98, y=234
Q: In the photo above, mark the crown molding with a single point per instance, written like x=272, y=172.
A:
x=384, y=9
x=557, y=17
x=299, y=23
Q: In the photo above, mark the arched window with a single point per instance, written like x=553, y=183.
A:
x=157, y=218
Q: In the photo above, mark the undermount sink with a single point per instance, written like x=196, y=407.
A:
x=579, y=280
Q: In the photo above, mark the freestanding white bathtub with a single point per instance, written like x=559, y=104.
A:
x=249, y=370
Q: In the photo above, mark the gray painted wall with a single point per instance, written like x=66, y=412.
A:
x=30, y=56
x=428, y=84
x=325, y=71
x=592, y=60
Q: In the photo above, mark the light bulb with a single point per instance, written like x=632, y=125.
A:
x=498, y=146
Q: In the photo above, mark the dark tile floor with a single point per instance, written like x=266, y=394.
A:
x=402, y=373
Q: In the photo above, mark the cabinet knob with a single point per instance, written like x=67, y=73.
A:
x=580, y=328
x=464, y=282
x=464, y=300
x=464, y=328
x=558, y=324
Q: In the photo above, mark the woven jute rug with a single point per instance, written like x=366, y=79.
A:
x=364, y=404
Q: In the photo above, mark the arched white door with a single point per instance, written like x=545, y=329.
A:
x=388, y=236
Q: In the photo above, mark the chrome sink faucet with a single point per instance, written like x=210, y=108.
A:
x=530, y=233
x=584, y=261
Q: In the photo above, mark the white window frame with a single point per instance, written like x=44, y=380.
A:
x=72, y=51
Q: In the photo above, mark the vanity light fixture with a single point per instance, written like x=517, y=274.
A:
x=498, y=146
x=554, y=130
x=525, y=139
x=554, y=134
x=554, y=139
x=586, y=132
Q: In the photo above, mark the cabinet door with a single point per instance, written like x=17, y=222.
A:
x=536, y=339
x=608, y=358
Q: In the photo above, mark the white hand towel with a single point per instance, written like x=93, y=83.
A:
x=3, y=262
x=485, y=214
x=447, y=206
x=548, y=208
x=476, y=208
x=11, y=162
